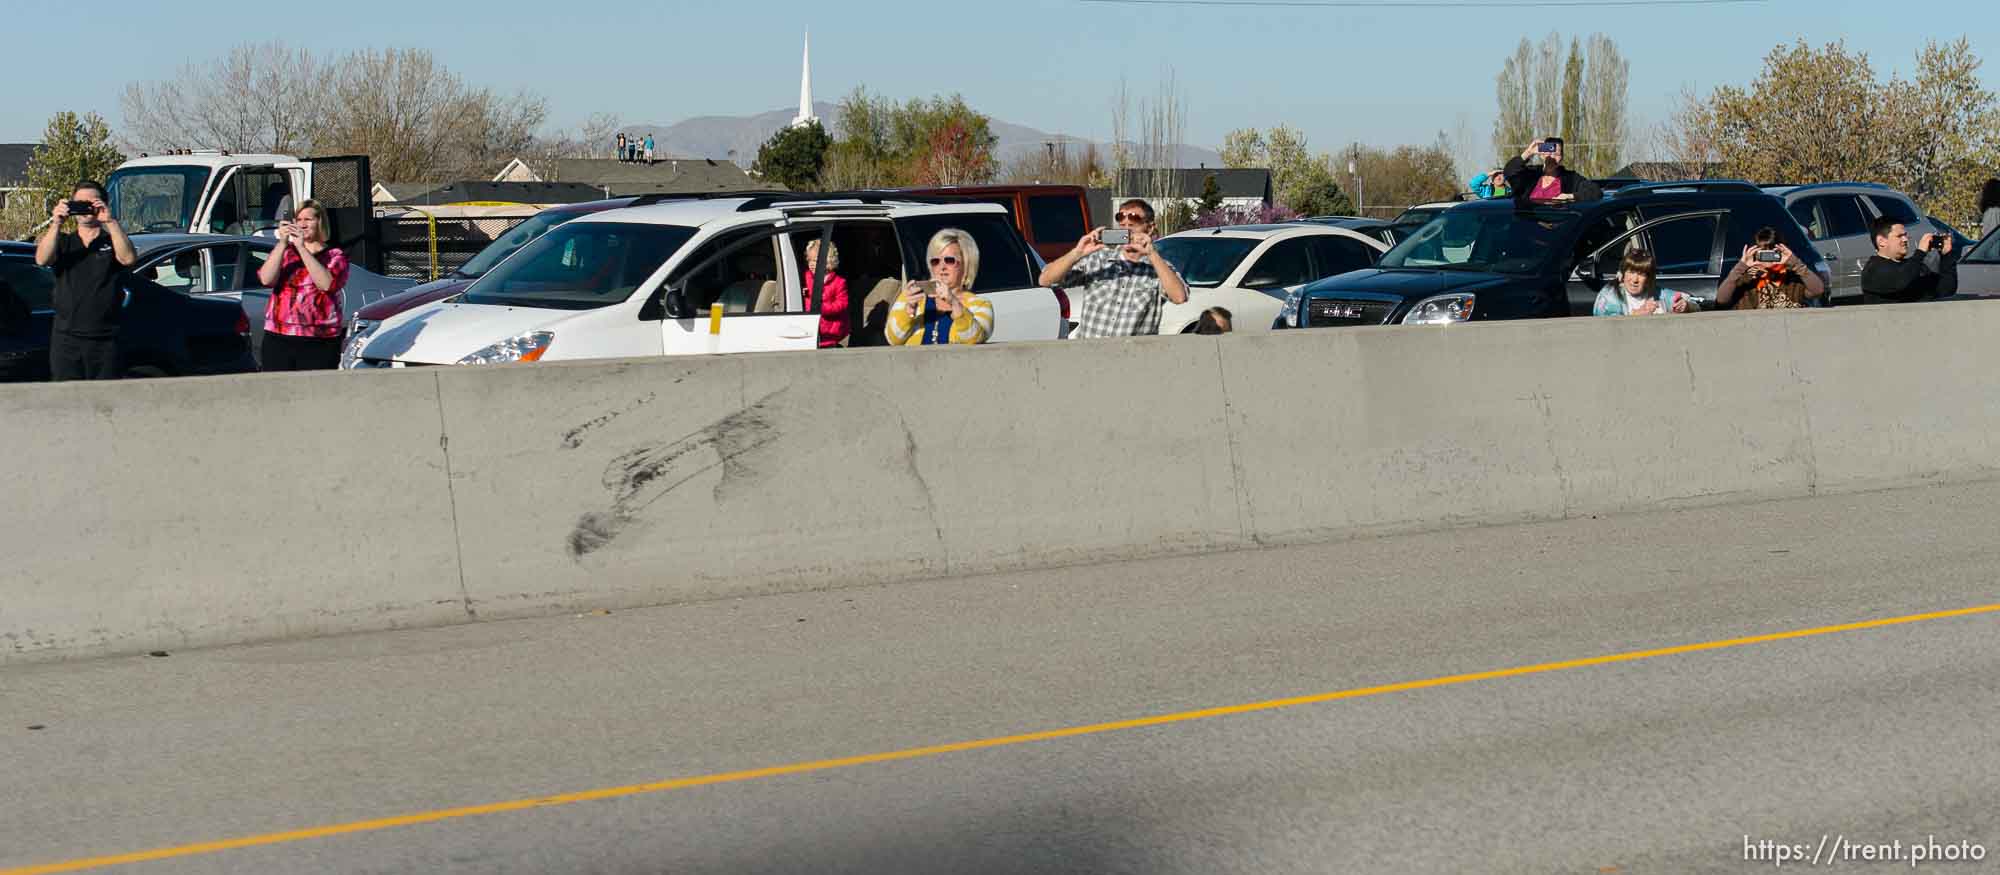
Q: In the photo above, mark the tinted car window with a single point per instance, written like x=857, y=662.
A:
x=1003, y=261
x=1843, y=216
x=1056, y=218
x=1684, y=246
x=581, y=266
x=1205, y=261
x=1498, y=240
x=1893, y=208
x=1284, y=264
x=1808, y=217
x=32, y=283
x=1338, y=255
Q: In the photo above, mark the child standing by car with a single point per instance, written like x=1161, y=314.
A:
x=1638, y=291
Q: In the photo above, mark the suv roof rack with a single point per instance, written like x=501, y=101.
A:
x=1813, y=185
x=810, y=199
x=664, y=196
x=1688, y=185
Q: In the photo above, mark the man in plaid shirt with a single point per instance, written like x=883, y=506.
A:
x=1122, y=286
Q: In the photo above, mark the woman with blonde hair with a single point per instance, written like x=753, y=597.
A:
x=943, y=309
x=1638, y=291
x=302, y=322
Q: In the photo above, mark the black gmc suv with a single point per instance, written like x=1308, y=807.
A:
x=1493, y=260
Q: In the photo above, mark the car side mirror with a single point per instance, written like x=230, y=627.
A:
x=674, y=300
x=1590, y=272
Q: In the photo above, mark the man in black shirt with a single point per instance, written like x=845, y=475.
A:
x=87, y=265
x=1893, y=277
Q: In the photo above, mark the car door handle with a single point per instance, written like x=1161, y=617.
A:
x=795, y=336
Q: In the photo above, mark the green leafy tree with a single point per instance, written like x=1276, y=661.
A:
x=795, y=157
x=1211, y=196
x=1572, y=106
x=1316, y=193
x=934, y=141
x=73, y=148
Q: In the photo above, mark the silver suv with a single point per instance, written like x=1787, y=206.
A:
x=1836, y=216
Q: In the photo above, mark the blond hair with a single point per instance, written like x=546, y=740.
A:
x=832, y=253
x=319, y=212
x=968, y=251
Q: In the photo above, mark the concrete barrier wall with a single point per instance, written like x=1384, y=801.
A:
x=180, y=513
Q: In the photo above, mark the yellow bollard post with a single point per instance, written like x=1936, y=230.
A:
x=715, y=318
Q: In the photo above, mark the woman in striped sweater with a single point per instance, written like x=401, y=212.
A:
x=943, y=310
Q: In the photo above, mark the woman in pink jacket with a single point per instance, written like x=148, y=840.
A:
x=832, y=305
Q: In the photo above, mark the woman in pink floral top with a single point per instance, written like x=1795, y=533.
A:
x=302, y=322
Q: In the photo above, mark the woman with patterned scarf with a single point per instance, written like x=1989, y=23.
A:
x=1769, y=277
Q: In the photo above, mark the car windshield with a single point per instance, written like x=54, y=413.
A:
x=512, y=241
x=580, y=266
x=1496, y=241
x=1205, y=260
x=155, y=198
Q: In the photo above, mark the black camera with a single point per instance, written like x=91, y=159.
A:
x=82, y=208
x=1769, y=256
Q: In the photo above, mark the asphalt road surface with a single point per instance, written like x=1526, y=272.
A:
x=1422, y=703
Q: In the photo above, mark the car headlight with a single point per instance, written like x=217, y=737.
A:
x=528, y=347
x=358, y=334
x=1441, y=310
x=1289, y=315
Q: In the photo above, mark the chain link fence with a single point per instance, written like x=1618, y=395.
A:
x=420, y=248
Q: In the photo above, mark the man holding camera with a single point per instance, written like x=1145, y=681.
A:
x=1892, y=277
x=1550, y=183
x=1122, y=277
x=87, y=266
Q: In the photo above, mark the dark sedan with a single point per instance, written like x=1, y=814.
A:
x=164, y=332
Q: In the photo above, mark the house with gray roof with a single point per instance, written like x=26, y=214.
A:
x=613, y=178
x=14, y=167
x=1241, y=188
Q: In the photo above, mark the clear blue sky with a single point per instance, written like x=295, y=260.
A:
x=1378, y=75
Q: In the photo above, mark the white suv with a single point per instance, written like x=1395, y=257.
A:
x=641, y=281
x=1250, y=270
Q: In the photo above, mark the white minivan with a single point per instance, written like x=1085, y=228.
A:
x=642, y=281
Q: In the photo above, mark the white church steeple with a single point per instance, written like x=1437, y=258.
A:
x=805, y=116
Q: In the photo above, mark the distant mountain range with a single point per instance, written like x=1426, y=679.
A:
x=737, y=137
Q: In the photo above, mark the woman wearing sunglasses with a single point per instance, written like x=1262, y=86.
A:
x=943, y=309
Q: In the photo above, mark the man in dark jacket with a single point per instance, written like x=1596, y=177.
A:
x=1891, y=276
x=1551, y=183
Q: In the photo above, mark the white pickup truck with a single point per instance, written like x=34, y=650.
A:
x=642, y=281
x=208, y=191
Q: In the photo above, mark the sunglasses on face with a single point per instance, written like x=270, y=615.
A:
x=944, y=259
x=1135, y=218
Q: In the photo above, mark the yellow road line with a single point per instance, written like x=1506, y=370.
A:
x=934, y=750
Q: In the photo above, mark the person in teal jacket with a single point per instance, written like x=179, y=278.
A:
x=1490, y=184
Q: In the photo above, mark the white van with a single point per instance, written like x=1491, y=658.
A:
x=641, y=281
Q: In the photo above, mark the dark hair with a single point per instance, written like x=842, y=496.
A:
x=1642, y=261
x=1556, y=140
x=1141, y=204
x=91, y=184
x=1765, y=236
x=1989, y=197
x=1881, y=227
x=1211, y=321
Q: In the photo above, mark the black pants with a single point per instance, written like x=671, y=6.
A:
x=83, y=358
x=282, y=352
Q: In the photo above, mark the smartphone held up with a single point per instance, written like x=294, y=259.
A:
x=1114, y=237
